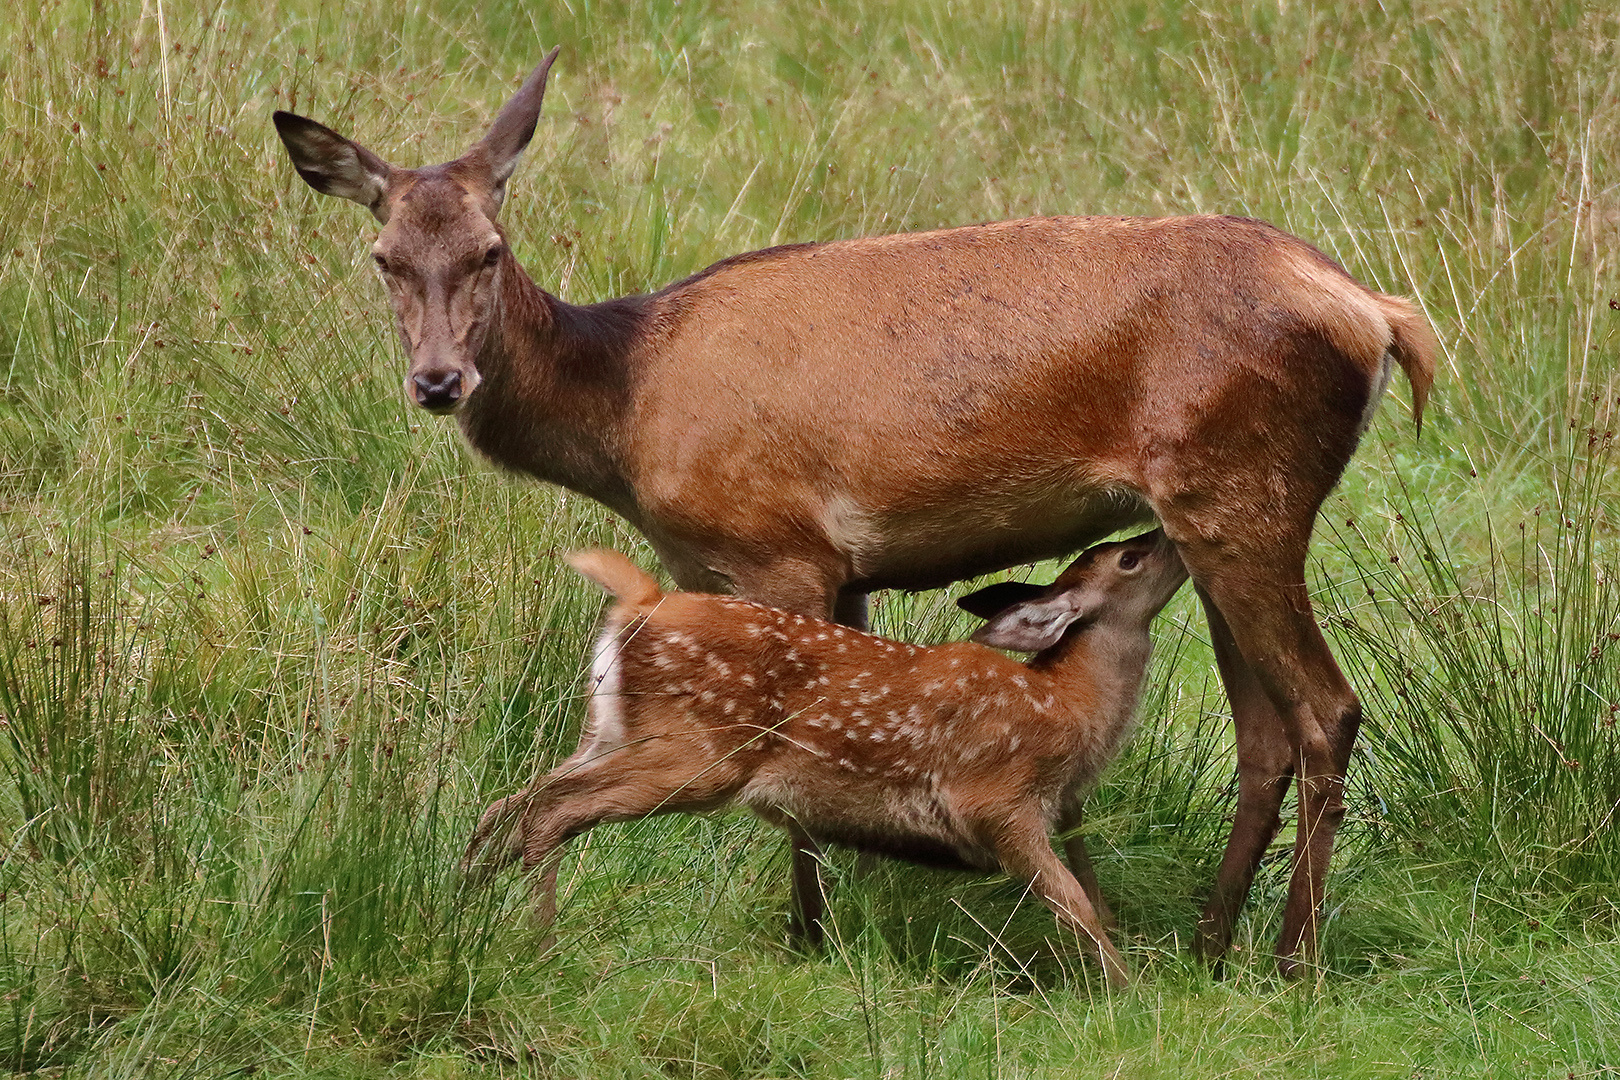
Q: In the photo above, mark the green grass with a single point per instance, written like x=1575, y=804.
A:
x=269, y=639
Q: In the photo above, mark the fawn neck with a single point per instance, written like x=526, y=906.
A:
x=557, y=389
x=1108, y=658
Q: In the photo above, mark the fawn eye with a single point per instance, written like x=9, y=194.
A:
x=1129, y=560
x=382, y=263
x=493, y=255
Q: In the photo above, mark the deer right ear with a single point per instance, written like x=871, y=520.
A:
x=333, y=165
x=992, y=600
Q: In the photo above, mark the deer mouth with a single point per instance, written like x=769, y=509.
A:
x=440, y=408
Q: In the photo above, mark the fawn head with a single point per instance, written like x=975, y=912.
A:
x=440, y=252
x=1127, y=582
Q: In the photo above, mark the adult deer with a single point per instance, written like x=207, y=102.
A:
x=808, y=423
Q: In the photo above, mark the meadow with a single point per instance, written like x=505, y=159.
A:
x=270, y=638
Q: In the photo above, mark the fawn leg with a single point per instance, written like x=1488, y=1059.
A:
x=635, y=781
x=1070, y=815
x=1027, y=854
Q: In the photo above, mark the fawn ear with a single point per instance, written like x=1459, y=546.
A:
x=992, y=600
x=1032, y=625
x=333, y=165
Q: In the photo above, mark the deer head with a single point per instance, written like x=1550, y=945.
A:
x=1127, y=582
x=440, y=252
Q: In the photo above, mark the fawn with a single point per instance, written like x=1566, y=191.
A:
x=950, y=755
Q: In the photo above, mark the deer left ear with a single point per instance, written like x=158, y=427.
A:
x=1031, y=625
x=514, y=126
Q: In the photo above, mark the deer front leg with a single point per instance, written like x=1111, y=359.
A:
x=1027, y=854
x=811, y=590
x=1070, y=816
x=809, y=897
x=851, y=609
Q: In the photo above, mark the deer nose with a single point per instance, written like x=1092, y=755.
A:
x=437, y=392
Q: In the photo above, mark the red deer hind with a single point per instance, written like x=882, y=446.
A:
x=805, y=424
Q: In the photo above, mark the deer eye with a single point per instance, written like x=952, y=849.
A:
x=493, y=255
x=382, y=263
x=1128, y=560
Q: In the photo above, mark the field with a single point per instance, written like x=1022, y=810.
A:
x=269, y=638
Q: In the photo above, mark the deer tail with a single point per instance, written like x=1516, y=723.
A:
x=1413, y=345
x=618, y=575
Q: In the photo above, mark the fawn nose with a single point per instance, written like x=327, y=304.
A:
x=435, y=391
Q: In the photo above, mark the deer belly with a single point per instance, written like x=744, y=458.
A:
x=913, y=822
x=925, y=549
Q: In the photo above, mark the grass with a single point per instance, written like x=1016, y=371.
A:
x=269, y=640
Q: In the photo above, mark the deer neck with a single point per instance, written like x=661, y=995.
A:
x=1099, y=670
x=557, y=389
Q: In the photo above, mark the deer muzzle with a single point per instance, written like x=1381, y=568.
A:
x=436, y=391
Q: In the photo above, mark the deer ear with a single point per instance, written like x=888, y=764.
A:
x=1032, y=625
x=514, y=126
x=992, y=600
x=333, y=165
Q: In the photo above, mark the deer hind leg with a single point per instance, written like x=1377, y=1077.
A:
x=1265, y=765
x=1070, y=816
x=1026, y=854
x=1259, y=592
x=635, y=781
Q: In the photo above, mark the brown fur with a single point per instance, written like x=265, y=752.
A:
x=805, y=424
x=952, y=755
x=633, y=586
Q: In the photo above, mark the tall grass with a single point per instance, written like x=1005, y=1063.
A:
x=269, y=640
